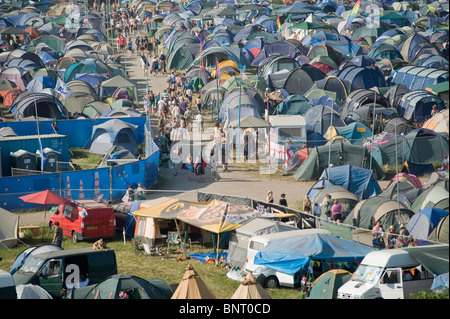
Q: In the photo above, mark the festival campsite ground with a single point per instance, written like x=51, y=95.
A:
x=241, y=180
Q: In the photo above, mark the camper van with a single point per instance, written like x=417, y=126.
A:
x=288, y=129
x=267, y=277
x=55, y=270
x=387, y=274
x=84, y=219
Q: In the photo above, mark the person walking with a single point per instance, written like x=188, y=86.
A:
x=58, y=236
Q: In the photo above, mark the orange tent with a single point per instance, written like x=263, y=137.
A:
x=192, y=287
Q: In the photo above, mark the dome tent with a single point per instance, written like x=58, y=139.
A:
x=112, y=133
x=389, y=212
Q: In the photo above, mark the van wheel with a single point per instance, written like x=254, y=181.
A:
x=271, y=282
x=75, y=238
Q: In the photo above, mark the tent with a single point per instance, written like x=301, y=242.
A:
x=357, y=180
x=337, y=154
x=347, y=199
x=419, y=146
x=438, y=123
x=327, y=285
x=47, y=106
x=319, y=118
x=250, y=289
x=440, y=233
x=238, y=243
x=112, y=133
x=361, y=77
x=124, y=286
x=30, y=291
x=435, y=196
x=418, y=77
x=355, y=132
x=301, y=79
x=389, y=212
x=118, y=82
x=294, y=104
x=290, y=255
x=9, y=227
x=416, y=105
x=192, y=287
x=424, y=222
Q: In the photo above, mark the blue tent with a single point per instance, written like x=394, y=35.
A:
x=361, y=77
x=424, y=221
x=357, y=180
x=291, y=255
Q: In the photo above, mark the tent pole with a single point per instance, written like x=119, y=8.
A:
x=179, y=235
x=373, y=128
x=217, y=250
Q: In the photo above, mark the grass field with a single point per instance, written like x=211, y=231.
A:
x=165, y=267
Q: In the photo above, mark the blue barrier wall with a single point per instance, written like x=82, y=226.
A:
x=78, y=131
x=112, y=181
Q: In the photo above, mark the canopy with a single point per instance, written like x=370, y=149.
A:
x=215, y=216
x=291, y=255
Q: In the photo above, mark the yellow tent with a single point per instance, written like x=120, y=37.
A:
x=192, y=287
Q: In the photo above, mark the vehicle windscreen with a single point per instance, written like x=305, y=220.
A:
x=32, y=265
x=367, y=274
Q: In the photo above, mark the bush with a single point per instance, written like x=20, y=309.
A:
x=430, y=295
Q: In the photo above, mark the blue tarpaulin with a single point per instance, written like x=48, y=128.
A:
x=290, y=255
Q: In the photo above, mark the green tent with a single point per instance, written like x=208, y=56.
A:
x=180, y=58
x=440, y=233
x=436, y=196
x=389, y=212
x=123, y=286
x=337, y=154
x=327, y=285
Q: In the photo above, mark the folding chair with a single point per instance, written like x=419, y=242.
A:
x=172, y=239
x=194, y=238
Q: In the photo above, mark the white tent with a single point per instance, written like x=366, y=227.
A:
x=9, y=226
x=30, y=291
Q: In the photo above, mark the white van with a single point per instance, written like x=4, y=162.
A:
x=387, y=274
x=267, y=277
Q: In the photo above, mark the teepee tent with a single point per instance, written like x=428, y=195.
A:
x=250, y=289
x=192, y=287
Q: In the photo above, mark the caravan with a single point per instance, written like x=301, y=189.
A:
x=267, y=277
x=388, y=274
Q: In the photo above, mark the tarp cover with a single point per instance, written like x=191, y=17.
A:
x=290, y=255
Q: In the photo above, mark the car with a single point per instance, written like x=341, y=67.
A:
x=124, y=219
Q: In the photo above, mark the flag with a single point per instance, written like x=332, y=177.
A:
x=171, y=6
x=278, y=23
x=217, y=69
x=41, y=151
x=352, y=14
x=146, y=20
x=63, y=89
x=153, y=11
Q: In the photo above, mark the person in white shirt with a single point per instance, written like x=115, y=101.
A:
x=200, y=120
x=213, y=167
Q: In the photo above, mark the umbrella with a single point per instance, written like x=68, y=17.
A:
x=250, y=289
x=307, y=26
x=45, y=198
x=192, y=287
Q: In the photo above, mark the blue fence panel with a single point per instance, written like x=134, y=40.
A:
x=145, y=172
x=11, y=188
x=71, y=183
